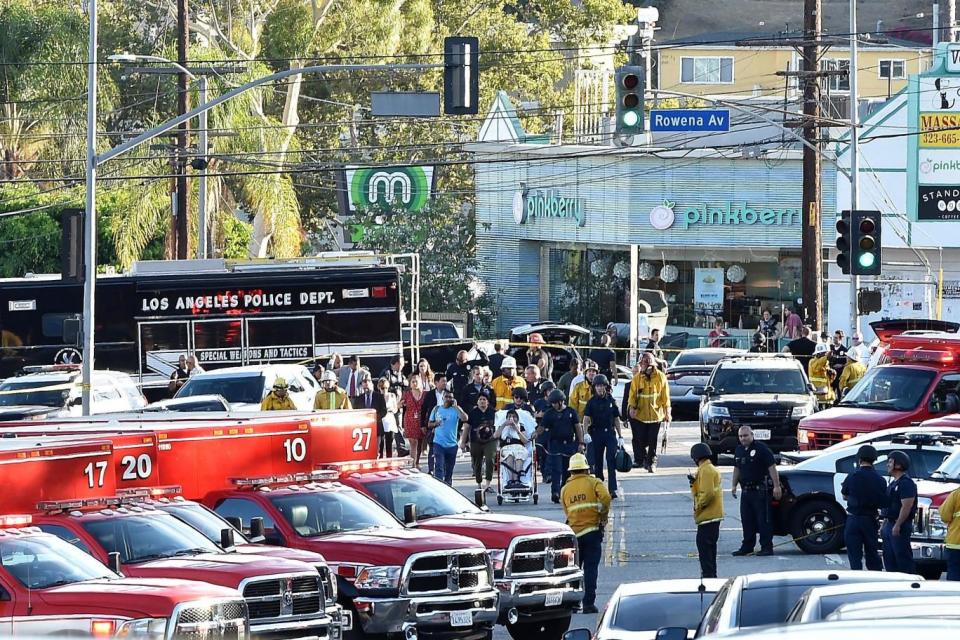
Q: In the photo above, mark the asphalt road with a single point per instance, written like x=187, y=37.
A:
x=651, y=534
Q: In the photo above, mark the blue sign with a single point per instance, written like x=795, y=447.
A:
x=689, y=120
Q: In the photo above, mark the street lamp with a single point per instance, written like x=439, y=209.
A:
x=201, y=82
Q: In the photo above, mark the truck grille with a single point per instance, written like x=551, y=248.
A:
x=543, y=556
x=283, y=597
x=759, y=414
x=447, y=572
x=824, y=440
x=225, y=620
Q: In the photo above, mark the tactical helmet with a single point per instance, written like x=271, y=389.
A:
x=700, y=451
x=546, y=387
x=600, y=379
x=900, y=459
x=578, y=462
x=556, y=396
x=867, y=453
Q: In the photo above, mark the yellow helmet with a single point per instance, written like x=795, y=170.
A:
x=578, y=462
x=280, y=383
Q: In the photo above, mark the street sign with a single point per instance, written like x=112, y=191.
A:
x=666, y=120
x=404, y=104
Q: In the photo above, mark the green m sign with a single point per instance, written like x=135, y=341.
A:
x=398, y=188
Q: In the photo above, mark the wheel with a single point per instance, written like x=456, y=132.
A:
x=499, y=499
x=536, y=498
x=552, y=629
x=817, y=526
x=929, y=572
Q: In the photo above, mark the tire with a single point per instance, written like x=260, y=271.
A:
x=929, y=572
x=817, y=526
x=536, y=498
x=552, y=629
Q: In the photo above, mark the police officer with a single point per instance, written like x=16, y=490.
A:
x=586, y=505
x=540, y=408
x=707, y=507
x=564, y=438
x=865, y=492
x=898, y=516
x=753, y=464
x=278, y=399
x=601, y=421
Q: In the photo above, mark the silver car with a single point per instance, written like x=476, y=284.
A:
x=819, y=602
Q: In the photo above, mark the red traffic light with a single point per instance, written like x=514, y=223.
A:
x=868, y=225
x=843, y=226
x=630, y=81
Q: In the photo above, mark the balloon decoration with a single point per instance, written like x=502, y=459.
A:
x=736, y=273
x=669, y=273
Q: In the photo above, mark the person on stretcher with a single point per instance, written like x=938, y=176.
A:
x=514, y=444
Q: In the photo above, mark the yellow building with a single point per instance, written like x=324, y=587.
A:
x=713, y=65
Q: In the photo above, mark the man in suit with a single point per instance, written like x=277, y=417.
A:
x=368, y=398
x=431, y=400
x=350, y=376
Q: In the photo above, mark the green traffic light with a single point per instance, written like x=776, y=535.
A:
x=631, y=118
x=866, y=260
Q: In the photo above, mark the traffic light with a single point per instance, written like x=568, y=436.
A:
x=843, y=242
x=631, y=83
x=461, y=76
x=865, y=243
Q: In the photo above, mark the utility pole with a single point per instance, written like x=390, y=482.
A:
x=181, y=236
x=951, y=21
x=811, y=241
x=854, y=157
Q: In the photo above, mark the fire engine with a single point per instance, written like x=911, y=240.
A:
x=48, y=587
x=536, y=570
x=68, y=486
x=929, y=530
x=920, y=379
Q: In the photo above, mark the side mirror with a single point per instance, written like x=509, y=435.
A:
x=708, y=390
x=226, y=538
x=409, y=513
x=672, y=633
x=577, y=634
x=236, y=523
x=274, y=539
x=256, y=530
x=113, y=562
x=697, y=391
x=76, y=402
x=478, y=498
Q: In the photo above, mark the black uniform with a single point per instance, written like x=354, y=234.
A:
x=865, y=492
x=897, y=554
x=603, y=435
x=754, y=462
x=561, y=431
x=459, y=374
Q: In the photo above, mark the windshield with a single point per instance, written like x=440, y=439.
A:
x=247, y=389
x=203, y=520
x=699, y=358
x=142, y=538
x=890, y=388
x=56, y=398
x=317, y=513
x=650, y=611
x=432, y=497
x=949, y=468
x=767, y=605
x=39, y=562
x=731, y=380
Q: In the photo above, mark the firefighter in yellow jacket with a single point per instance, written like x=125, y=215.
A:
x=821, y=374
x=506, y=382
x=330, y=395
x=950, y=514
x=278, y=399
x=649, y=404
x=707, y=507
x=852, y=371
x=581, y=392
x=586, y=504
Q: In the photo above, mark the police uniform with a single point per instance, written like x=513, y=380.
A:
x=273, y=402
x=753, y=463
x=586, y=505
x=561, y=429
x=603, y=436
x=865, y=492
x=897, y=554
x=333, y=399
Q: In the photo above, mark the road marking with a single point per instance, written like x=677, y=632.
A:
x=833, y=558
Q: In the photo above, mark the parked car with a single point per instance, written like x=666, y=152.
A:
x=922, y=606
x=444, y=342
x=812, y=509
x=687, y=375
x=819, y=602
x=759, y=599
x=930, y=531
x=888, y=629
x=770, y=394
x=212, y=402
x=636, y=610
x=245, y=387
x=56, y=391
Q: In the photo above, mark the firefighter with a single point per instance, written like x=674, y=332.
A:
x=852, y=372
x=586, y=505
x=821, y=374
x=650, y=406
x=707, y=507
x=581, y=392
x=950, y=514
x=508, y=380
x=278, y=399
x=330, y=395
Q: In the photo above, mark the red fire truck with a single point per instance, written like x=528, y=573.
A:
x=919, y=379
x=48, y=587
x=70, y=488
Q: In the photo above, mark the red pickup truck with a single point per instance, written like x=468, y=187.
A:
x=929, y=530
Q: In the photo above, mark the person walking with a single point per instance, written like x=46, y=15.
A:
x=566, y=380
x=388, y=423
x=477, y=439
x=753, y=462
x=901, y=508
x=586, y=506
x=394, y=375
x=537, y=355
x=496, y=359
x=458, y=371
x=802, y=348
x=350, y=376
x=852, y=372
x=472, y=392
x=278, y=399
x=950, y=515
x=412, y=405
x=444, y=421
x=583, y=390
x=330, y=395
x=865, y=492
x=650, y=406
x=564, y=438
x=503, y=386
x=821, y=375
x=601, y=420
x=531, y=376
x=425, y=372
x=432, y=399
x=606, y=359
x=707, y=507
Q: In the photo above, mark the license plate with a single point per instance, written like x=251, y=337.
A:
x=761, y=434
x=553, y=599
x=346, y=620
x=461, y=619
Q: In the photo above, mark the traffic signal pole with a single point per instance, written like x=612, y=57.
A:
x=854, y=160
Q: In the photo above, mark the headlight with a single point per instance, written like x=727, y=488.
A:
x=378, y=578
x=718, y=412
x=497, y=557
x=801, y=412
x=935, y=526
x=802, y=436
x=143, y=628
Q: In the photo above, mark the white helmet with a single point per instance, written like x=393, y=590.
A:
x=821, y=348
x=509, y=363
x=328, y=376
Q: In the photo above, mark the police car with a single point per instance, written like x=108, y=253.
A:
x=813, y=511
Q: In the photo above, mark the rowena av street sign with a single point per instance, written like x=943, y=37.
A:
x=667, y=120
